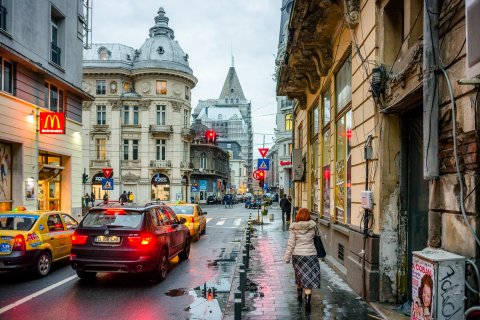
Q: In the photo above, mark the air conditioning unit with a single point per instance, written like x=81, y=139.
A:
x=472, y=9
x=438, y=285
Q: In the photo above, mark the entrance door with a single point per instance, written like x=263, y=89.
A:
x=417, y=191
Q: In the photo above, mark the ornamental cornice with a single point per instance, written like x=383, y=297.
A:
x=352, y=15
x=145, y=104
x=116, y=104
x=86, y=105
x=177, y=106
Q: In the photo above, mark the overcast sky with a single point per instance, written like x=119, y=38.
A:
x=207, y=30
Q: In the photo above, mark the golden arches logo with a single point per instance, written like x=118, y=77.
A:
x=53, y=119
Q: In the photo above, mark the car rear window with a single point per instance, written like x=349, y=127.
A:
x=116, y=218
x=22, y=222
x=182, y=209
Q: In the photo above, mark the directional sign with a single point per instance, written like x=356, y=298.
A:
x=265, y=186
x=263, y=164
x=194, y=188
x=263, y=151
x=107, y=172
x=107, y=184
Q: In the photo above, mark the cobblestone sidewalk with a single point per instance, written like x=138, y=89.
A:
x=271, y=282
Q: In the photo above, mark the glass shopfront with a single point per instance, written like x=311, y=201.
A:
x=5, y=176
x=97, y=186
x=160, y=187
x=49, y=182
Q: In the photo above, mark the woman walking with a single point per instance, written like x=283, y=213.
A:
x=301, y=250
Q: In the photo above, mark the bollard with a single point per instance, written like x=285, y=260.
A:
x=243, y=281
x=244, y=256
x=247, y=246
x=238, y=306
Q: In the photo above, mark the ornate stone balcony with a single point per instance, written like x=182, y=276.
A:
x=188, y=133
x=131, y=163
x=160, y=130
x=160, y=164
x=186, y=165
x=100, y=163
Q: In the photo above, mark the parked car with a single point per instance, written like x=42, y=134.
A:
x=195, y=216
x=129, y=238
x=212, y=200
x=255, y=204
x=34, y=239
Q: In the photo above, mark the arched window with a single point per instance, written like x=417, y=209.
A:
x=103, y=53
x=231, y=100
x=226, y=100
x=238, y=100
x=203, y=160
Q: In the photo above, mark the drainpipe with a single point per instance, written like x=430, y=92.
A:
x=430, y=88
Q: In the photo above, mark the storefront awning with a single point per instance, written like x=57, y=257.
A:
x=48, y=172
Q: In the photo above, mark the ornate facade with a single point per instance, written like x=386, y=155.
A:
x=139, y=122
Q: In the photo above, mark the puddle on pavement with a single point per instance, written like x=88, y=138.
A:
x=177, y=292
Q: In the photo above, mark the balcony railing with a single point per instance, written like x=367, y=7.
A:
x=160, y=164
x=186, y=165
x=100, y=163
x=161, y=129
x=56, y=54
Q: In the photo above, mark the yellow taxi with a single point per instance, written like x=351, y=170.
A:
x=195, y=216
x=34, y=239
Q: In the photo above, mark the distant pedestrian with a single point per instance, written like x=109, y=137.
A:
x=283, y=203
x=225, y=200
x=105, y=198
x=92, y=198
x=123, y=197
x=288, y=208
x=130, y=197
x=87, y=199
x=301, y=250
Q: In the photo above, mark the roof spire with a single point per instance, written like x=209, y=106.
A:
x=231, y=53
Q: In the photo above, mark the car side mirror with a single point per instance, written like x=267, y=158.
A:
x=183, y=220
x=204, y=212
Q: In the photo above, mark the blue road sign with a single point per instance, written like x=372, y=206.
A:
x=194, y=188
x=203, y=184
x=265, y=186
x=107, y=184
x=263, y=164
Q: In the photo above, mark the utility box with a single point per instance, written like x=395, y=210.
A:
x=438, y=285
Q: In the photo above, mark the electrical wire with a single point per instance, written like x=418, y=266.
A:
x=455, y=151
x=474, y=266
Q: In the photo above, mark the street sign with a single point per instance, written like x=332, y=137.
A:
x=263, y=151
x=107, y=184
x=203, y=185
x=265, y=186
x=255, y=175
x=107, y=172
x=194, y=188
x=263, y=164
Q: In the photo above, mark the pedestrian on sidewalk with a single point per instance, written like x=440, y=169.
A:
x=92, y=198
x=288, y=208
x=301, y=250
x=283, y=203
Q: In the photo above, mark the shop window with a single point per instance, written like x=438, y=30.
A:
x=135, y=150
x=161, y=87
x=5, y=176
x=101, y=115
x=325, y=175
x=343, y=84
x=54, y=98
x=343, y=167
x=161, y=115
x=101, y=149
x=161, y=149
x=288, y=122
x=101, y=87
x=6, y=75
x=314, y=192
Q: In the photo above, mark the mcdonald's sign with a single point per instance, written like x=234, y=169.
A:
x=52, y=123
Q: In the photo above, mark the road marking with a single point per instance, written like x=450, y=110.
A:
x=221, y=222
x=208, y=219
x=222, y=227
x=238, y=221
x=36, y=294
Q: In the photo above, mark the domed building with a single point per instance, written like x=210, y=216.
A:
x=138, y=124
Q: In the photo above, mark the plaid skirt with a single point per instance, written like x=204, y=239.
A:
x=307, y=271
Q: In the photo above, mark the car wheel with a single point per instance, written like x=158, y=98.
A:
x=204, y=230
x=84, y=275
x=160, y=273
x=196, y=236
x=186, y=250
x=43, y=264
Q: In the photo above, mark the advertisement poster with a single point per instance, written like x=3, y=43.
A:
x=340, y=193
x=422, y=289
x=5, y=172
x=326, y=192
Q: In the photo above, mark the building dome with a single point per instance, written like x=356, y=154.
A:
x=161, y=50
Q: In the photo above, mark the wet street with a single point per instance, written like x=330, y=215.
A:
x=61, y=294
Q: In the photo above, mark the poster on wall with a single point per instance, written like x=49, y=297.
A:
x=5, y=172
x=326, y=192
x=422, y=289
x=340, y=193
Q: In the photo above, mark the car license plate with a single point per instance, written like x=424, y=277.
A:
x=107, y=239
x=5, y=247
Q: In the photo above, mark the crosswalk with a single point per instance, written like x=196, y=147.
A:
x=224, y=222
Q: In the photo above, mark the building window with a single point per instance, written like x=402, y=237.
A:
x=104, y=54
x=313, y=118
x=101, y=115
x=161, y=87
x=325, y=212
x=203, y=160
x=161, y=149
x=6, y=75
x=4, y=15
x=135, y=115
x=288, y=122
x=135, y=150
x=343, y=167
x=161, y=115
x=229, y=146
x=56, y=33
x=343, y=84
x=187, y=93
x=290, y=147
x=126, y=114
x=314, y=194
x=300, y=135
x=125, y=149
x=101, y=149
x=326, y=109
x=186, y=118
x=101, y=87
x=54, y=98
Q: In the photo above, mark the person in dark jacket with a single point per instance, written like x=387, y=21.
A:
x=92, y=198
x=288, y=208
x=123, y=197
x=283, y=202
x=105, y=198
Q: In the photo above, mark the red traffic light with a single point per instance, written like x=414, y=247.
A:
x=210, y=135
x=261, y=174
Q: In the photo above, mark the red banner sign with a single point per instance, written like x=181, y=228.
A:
x=263, y=151
x=52, y=123
x=107, y=172
x=285, y=163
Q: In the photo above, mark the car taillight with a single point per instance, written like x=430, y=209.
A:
x=19, y=243
x=78, y=238
x=140, y=241
x=193, y=219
